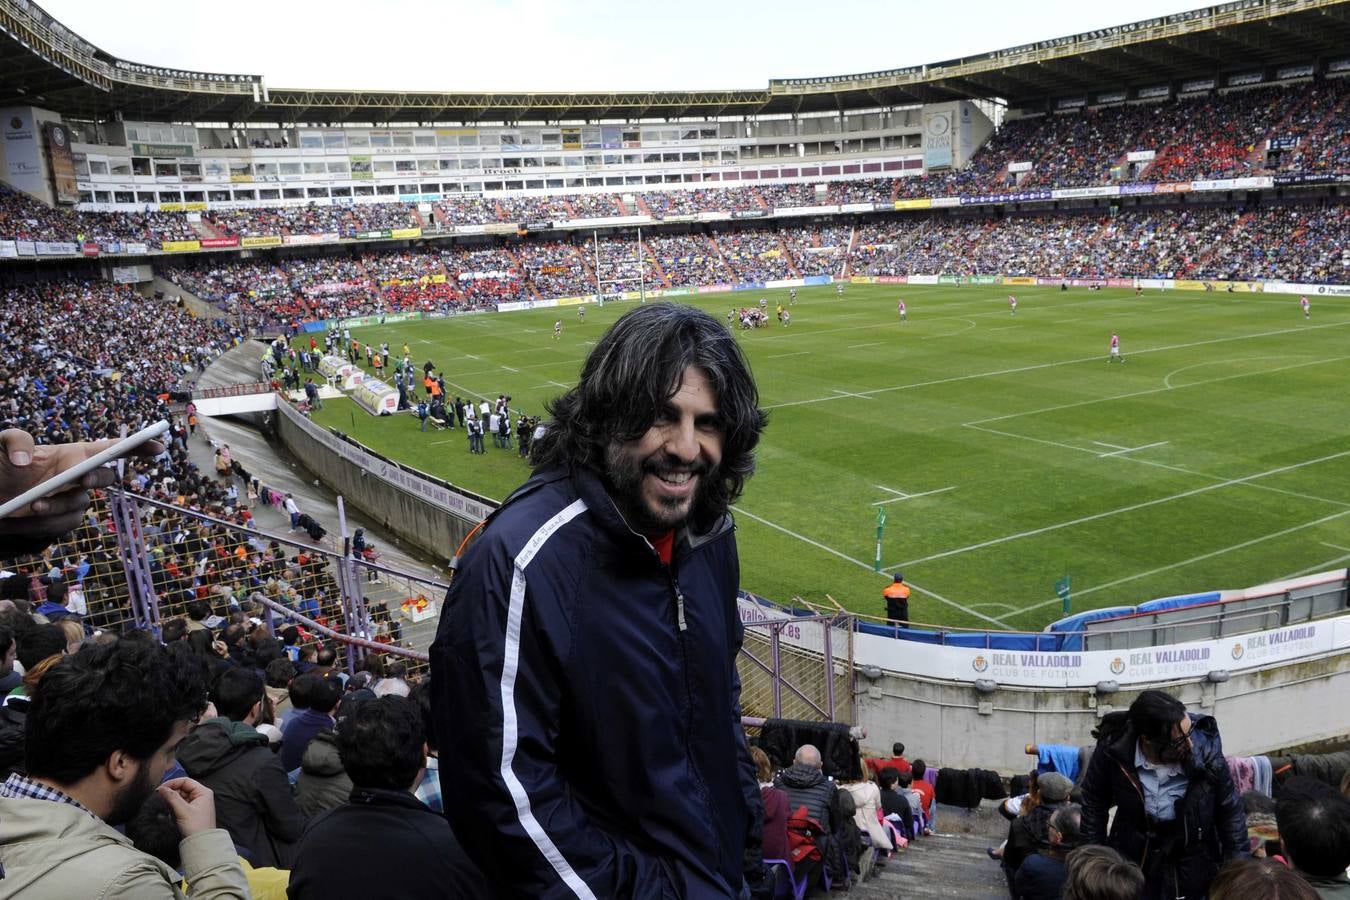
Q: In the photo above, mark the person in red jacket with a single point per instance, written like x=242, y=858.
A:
x=775, y=840
x=897, y=761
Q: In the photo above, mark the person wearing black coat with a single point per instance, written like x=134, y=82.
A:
x=382, y=744
x=252, y=794
x=1178, y=815
x=1030, y=832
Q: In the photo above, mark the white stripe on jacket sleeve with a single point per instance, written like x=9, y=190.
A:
x=510, y=725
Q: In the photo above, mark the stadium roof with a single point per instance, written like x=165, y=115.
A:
x=43, y=63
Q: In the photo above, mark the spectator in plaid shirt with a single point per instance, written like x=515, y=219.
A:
x=102, y=732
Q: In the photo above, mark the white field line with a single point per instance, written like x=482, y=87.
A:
x=1112, y=446
x=1124, y=450
x=912, y=496
x=948, y=334
x=1167, y=379
x=1316, y=567
x=860, y=346
x=460, y=387
x=1158, y=390
x=1005, y=328
x=1068, y=362
x=846, y=393
x=1334, y=546
x=1124, y=509
x=1193, y=559
x=1157, y=465
x=862, y=565
x=786, y=355
x=509, y=369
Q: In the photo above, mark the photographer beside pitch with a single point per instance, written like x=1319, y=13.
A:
x=584, y=673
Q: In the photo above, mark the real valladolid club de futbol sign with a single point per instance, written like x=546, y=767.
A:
x=1076, y=669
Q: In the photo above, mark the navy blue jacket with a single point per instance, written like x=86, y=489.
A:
x=1179, y=858
x=588, y=704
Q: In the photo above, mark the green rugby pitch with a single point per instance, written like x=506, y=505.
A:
x=1005, y=450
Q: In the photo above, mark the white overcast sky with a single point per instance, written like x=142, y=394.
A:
x=570, y=45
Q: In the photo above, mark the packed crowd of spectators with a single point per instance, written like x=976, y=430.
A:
x=664, y=204
x=687, y=259
x=1300, y=243
x=1206, y=136
x=555, y=268
x=755, y=255
x=596, y=206
x=1289, y=243
x=818, y=251
x=535, y=209
x=454, y=211
x=343, y=220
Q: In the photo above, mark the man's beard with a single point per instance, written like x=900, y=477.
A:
x=625, y=474
x=129, y=800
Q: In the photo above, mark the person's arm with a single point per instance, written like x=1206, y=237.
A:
x=498, y=694
x=24, y=465
x=210, y=863
x=1230, y=816
x=1097, y=804
x=753, y=858
x=281, y=815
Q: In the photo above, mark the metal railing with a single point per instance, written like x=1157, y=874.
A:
x=781, y=678
x=137, y=562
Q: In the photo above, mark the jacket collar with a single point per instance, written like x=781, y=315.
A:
x=362, y=796
x=1122, y=742
x=591, y=488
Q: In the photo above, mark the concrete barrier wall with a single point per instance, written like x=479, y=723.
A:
x=195, y=305
x=409, y=513
x=950, y=724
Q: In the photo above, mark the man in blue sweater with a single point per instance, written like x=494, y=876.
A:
x=323, y=694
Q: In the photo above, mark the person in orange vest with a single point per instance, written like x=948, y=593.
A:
x=897, y=601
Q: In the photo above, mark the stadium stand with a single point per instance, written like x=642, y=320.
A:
x=87, y=359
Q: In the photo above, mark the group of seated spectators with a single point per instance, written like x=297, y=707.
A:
x=1298, y=243
x=755, y=254
x=83, y=359
x=1289, y=243
x=344, y=220
x=687, y=259
x=1205, y=136
x=818, y=251
x=555, y=268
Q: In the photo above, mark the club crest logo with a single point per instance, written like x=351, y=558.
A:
x=1237, y=651
x=1117, y=666
x=979, y=663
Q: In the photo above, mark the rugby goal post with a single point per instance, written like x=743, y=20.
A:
x=611, y=283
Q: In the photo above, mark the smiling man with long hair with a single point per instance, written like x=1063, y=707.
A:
x=585, y=666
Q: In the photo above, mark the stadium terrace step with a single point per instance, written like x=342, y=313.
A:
x=949, y=864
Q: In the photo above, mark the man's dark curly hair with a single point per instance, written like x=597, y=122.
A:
x=628, y=379
x=124, y=696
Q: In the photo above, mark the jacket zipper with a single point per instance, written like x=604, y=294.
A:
x=1142, y=802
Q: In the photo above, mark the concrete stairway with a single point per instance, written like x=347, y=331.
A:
x=949, y=864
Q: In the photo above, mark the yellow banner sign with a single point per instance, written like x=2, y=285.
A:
x=913, y=204
x=861, y=279
x=171, y=207
x=266, y=240
x=237, y=179
x=180, y=246
x=1236, y=286
x=1018, y=279
x=401, y=233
